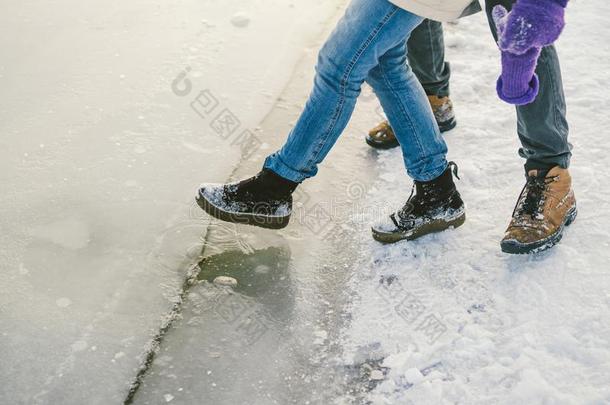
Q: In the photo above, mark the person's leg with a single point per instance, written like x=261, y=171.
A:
x=426, y=53
x=542, y=125
x=369, y=42
x=437, y=205
x=367, y=31
x=404, y=101
x=547, y=203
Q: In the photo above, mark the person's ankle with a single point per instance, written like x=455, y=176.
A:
x=277, y=183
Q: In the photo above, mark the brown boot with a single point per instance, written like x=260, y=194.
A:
x=382, y=136
x=442, y=107
x=545, y=207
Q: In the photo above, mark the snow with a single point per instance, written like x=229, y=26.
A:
x=523, y=329
x=225, y=281
x=102, y=150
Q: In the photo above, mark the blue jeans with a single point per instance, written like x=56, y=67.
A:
x=369, y=44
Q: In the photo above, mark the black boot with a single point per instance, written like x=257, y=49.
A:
x=436, y=206
x=264, y=200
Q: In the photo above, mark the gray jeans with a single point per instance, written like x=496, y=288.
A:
x=427, y=58
x=542, y=126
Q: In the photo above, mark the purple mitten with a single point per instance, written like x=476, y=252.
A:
x=531, y=25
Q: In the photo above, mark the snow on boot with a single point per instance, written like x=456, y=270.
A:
x=545, y=207
x=382, y=136
x=436, y=206
x=264, y=200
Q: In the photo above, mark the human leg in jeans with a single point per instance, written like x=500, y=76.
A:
x=546, y=204
x=426, y=54
x=368, y=43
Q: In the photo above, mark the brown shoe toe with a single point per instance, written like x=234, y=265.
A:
x=382, y=137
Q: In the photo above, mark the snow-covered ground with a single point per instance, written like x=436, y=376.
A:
x=485, y=327
x=107, y=117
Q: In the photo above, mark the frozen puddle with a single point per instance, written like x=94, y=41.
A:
x=227, y=335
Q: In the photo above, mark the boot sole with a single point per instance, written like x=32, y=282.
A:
x=259, y=220
x=516, y=248
x=443, y=126
x=432, y=227
x=381, y=145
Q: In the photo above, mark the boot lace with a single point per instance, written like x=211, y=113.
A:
x=533, y=202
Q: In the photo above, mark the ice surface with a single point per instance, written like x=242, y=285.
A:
x=101, y=151
x=240, y=20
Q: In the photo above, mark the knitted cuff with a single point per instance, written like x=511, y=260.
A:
x=528, y=96
x=518, y=83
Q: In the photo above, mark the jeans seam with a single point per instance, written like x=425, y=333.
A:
x=345, y=80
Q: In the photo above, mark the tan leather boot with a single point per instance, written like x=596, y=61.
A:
x=442, y=107
x=545, y=207
x=382, y=136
